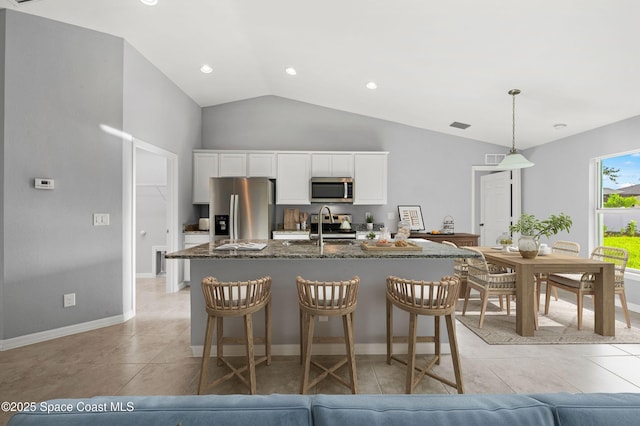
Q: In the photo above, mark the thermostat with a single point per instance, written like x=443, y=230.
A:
x=43, y=183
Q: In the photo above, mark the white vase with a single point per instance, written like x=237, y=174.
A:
x=369, y=226
x=528, y=246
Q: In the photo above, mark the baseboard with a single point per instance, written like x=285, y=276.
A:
x=145, y=275
x=323, y=349
x=43, y=336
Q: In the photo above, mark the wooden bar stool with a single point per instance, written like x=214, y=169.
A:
x=235, y=299
x=430, y=298
x=318, y=298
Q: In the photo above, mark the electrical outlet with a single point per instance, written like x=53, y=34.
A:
x=69, y=300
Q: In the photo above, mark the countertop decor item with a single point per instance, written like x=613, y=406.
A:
x=531, y=229
x=412, y=214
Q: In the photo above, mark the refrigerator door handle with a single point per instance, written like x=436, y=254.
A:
x=232, y=217
x=235, y=216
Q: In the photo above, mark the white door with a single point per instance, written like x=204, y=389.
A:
x=495, y=206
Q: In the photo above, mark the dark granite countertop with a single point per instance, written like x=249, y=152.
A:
x=344, y=249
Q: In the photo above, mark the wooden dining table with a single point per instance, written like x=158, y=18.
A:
x=525, y=269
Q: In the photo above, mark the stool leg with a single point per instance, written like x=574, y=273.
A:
x=302, y=336
x=309, y=322
x=267, y=332
x=411, y=352
x=251, y=362
x=455, y=354
x=206, y=352
x=219, y=344
x=389, y=331
x=436, y=338
x=347, y=321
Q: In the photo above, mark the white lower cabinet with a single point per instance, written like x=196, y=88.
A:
x=192, y=240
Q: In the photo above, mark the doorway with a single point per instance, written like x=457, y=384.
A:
x=133, y=148
x=498, y=203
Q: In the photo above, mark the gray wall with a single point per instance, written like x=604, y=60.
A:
x=158, y=112
x=2, y=181
x=560, y=180
x=425, y=168
x=62, y=82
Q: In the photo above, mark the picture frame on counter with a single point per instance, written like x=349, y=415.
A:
x=413, y=215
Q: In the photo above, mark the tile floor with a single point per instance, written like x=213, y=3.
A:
x=150, y=355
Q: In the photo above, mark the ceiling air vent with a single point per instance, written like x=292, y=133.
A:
x=459, y=125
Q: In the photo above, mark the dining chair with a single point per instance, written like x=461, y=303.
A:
x=569, y=248
x=489, y=282
x=582, y=284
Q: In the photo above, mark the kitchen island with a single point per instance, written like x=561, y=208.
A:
x=339, y=260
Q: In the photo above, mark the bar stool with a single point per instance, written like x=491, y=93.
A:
x=430, y=298
x=235, y=299
x=318, y=298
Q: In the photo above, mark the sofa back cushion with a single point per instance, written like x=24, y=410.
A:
x=219, y=410
x=409, y=410
x=619, y=409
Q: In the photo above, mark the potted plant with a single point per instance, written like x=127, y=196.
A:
x=369, y=219
x=531, y=229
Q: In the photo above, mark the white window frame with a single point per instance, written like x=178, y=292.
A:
x=596, y=237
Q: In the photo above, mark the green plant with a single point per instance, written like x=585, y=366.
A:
x=369, y=218
x=371, y=236
x=616, y=200
x=530, y=226
x=631, y=229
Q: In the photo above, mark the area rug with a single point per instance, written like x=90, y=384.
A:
x=559, y=327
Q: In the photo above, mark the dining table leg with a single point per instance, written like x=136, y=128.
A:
x=525, y=325
x=604, y=306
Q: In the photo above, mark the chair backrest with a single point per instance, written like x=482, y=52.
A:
x=334, y=297
x=478, y=262
x=234, y=296
x=449, y=243
x=615, y=255
x=424, y=297
x=566, y=247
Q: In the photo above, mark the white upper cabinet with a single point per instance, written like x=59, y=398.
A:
x=370, y=181
x=292, y=180
x=261, y=164
x=233, y=164
x=205, y=166
x=331, y=164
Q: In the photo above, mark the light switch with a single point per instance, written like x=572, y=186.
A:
x=101, y=219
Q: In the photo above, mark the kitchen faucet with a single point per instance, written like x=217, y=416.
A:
x=320, y=241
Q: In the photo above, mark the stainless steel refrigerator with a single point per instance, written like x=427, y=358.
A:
x=241, y=208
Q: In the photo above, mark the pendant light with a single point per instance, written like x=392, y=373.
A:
x=513, y=160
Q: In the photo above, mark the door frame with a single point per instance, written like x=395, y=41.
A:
x=129, y=220
x=516, y=199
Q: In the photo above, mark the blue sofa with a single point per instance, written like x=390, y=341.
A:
x=331, y=410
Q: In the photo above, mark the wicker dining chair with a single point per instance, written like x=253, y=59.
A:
x=561, y=247
x=460, y=270
x=582, y=284
x=489, y=282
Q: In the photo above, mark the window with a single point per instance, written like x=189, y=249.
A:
x=618, y=209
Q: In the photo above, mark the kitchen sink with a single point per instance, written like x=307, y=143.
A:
x=328, y=242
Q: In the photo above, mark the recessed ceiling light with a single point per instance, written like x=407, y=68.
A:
x=559, y=126
x=150, y=2
x=372, y=85
x=206, y=69
x=290, y=71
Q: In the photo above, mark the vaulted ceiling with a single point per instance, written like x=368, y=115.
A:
x=435, y=62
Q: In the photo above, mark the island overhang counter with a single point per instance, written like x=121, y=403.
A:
x=283, y=261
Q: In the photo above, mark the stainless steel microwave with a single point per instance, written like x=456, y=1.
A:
x=332, y=190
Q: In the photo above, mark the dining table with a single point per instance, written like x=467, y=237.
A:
x=526, y=269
